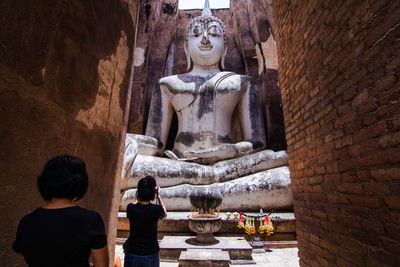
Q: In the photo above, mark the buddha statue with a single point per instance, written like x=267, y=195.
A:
x=205, y=154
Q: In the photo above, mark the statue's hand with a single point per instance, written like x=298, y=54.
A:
x=137, y=144
x=147, y=145
x=222, y=151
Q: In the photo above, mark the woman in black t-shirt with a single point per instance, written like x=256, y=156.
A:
x=61, y=233
x=141, y=248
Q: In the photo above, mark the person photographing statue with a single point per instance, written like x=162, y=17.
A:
x=141, y=248
x=208, y=101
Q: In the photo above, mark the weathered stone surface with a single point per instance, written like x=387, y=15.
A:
x=264, y=190
x=65, y=68
x=205, y=198
x=180, y=172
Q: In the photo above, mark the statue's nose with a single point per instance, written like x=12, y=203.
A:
x=205, y=40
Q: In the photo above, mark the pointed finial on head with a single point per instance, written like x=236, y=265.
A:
x=206, y=10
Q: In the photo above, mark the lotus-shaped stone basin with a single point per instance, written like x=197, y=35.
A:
x=204, y=227
x=205, y=223
x=206, y=198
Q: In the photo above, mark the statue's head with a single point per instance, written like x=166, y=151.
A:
x=205, y=40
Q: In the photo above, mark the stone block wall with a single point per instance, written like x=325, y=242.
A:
x=339, y=72
x=65, y=71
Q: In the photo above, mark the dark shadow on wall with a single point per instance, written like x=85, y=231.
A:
x=50, y=53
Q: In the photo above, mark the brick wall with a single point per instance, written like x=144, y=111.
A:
x=339, y=72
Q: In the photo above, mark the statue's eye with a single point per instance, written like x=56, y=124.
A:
x=214, y=31
x=196, y=32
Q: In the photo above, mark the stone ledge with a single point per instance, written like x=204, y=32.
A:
x=176, y=223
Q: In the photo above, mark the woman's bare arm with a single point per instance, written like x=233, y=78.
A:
x=100, y=257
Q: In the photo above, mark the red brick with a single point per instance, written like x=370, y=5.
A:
x=352, y=256
x=363, y=176
x=374, y=159
x=333, y=178
x=395, y=123
x=362, y=201
x=358, y=100
x=347, y=117
x=351, y=188
x=390, y=140
x=393, y=202
x=383, y=257
x=388, y=111
x=394, y=155
x=368, y=106
x=348, y=221
x=363, y=148
x=392, y=189
x=383, y=85
x=386, y=174
x=349, y=178
x=344, y=142
x=375, y=189
x=316, y=180
x=391, y=245
x=373, y=227
x=371, y=132
x=320, y=215
x=364, y=237
x=346, y=164
x=388, y=96
x=332, y=167
x=369, y=119
x=350, y=244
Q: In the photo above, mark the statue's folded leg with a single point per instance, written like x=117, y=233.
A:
x=170, y=172
x=268, y=189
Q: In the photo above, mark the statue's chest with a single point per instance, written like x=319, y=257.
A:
x=205, y=98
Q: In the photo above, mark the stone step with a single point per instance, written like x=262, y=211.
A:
x=280, y=244
x=176, y=223
x=237, y=247
x=204, y=257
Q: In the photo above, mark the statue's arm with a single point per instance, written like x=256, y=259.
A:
x=159, y=120
x=251, y=117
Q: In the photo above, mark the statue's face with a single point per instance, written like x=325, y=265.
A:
x=206, y=43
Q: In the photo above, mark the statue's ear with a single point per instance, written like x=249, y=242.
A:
x=223, y=58
x=188, y=60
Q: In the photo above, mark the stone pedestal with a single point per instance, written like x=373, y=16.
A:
x=204, y=229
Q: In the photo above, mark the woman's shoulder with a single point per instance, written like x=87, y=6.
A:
x=87, y=212
x=157, y=207
x=31, y=215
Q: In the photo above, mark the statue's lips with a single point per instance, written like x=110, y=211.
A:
x=205, y=47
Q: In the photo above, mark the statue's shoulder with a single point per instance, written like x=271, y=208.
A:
x=232, y=80
x=169, y=80
x=174, y=81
